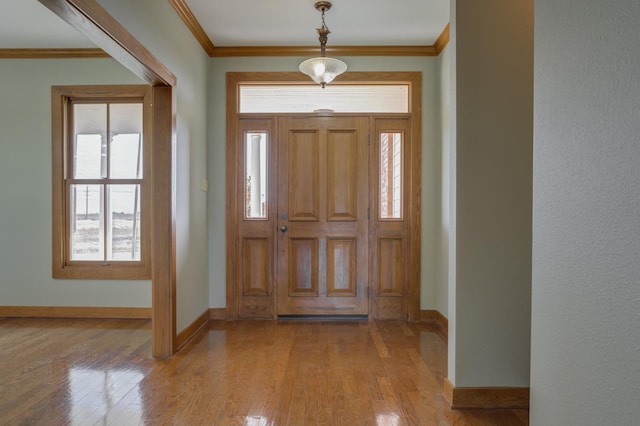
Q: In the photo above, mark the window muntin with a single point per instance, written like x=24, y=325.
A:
x=297, y=98
x=101, y=198
x=255, y=166
x=391, y=175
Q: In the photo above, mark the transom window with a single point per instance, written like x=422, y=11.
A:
x=295, y=98
x=101, y=195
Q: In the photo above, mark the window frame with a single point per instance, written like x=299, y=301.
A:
x=62, y=99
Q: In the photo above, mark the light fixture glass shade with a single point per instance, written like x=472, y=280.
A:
x=322, y=69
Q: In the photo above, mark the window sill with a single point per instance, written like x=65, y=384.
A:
x=103, y=272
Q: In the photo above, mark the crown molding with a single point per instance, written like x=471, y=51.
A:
x=187, y=16
x=442, y=40
x=234, y=51
x=194, y=26
x=185, y=13
x=52, y=53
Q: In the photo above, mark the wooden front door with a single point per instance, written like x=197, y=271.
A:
x=322, y=209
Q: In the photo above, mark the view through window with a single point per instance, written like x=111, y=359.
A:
x=391, y=175
x=101, y=182
x=105, y=188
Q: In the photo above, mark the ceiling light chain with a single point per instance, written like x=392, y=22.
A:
x=323, y=69
x=323, y=32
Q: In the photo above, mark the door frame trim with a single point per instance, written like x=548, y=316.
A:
x=92, y=20
x=414, y=80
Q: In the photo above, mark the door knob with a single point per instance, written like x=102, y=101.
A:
x=283, y=228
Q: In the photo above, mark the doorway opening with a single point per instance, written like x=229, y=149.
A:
x=323, y=208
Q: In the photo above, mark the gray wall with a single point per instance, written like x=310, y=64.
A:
x=25, y=186
x=491, y=191
x=441, y=289
x=159, y=28
x=585, y=360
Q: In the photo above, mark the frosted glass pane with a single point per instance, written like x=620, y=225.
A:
x=336, y=98
x=88, y=157
x=123, y=222
x=86, y=222
x=125, y=156
x=390, y=175
x=125, y=151
x=255, y=167
x=89, y=142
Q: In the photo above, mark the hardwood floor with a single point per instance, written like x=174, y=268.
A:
x=88, y=372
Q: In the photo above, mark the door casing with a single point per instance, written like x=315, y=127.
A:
x=265, y=306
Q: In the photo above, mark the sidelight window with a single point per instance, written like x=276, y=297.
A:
x=255, y=166
x=391, y=175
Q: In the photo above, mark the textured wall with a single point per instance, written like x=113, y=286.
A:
x=491, y=168
x=159, y=28
x=25, y=186
x=441, y=291
x=585, y=361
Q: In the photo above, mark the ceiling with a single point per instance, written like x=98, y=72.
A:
x=255, y=23
x=26, y=24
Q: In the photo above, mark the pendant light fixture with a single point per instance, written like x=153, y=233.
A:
x=323, y=69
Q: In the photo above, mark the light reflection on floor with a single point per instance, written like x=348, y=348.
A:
x=68, y=372
x=105, y=396
x=387, y=419
x=256, y=421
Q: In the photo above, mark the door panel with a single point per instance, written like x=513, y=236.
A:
x=255, y=256
x=303, y=190
x=303, y=266
x=322, y=255
x=341, y=267
x=256, y=253
x=390, y=266
x=389, y=218
x=342, y=176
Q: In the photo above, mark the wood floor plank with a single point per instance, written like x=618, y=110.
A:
x=73, y=371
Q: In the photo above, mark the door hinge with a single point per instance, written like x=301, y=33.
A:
x=368, y=139
x=368, y=213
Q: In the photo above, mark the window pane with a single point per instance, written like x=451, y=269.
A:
x=126, y=156
x=86, y=222
x=125, y=151
x=123, y=222
x=334, y=97
x=256, y=175
x=390, y=175
x=89, y=150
